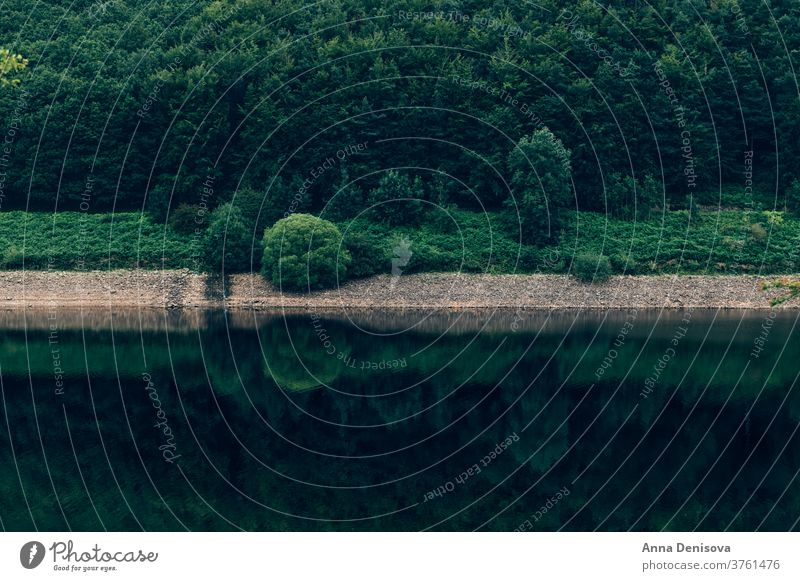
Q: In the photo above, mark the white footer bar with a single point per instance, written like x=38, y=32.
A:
x=400, y=556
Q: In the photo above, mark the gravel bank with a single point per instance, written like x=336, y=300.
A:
x=182, y=288
x=129, y=288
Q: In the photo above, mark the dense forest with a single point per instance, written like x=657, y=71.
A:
x=629, y=109
x=316, y=142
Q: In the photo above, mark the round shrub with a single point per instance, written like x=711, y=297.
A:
x=304, y=252
x=588, y=267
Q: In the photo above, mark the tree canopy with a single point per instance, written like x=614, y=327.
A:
x=152, y=102
x=10, y=64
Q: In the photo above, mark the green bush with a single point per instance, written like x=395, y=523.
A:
x=527, y=259
x=12, y=258
x=186, y=218
x=589, y=267
x=396, y=200
x=621, y=262
x=427, y=257
x=368, y=254
x=443, y=219
x=774, y=218
x=757, y=231
x=227, y=242
x=732, y=196
x=304, y=252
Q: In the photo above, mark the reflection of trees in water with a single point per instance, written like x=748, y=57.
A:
x=452, y=378
x=299, y=356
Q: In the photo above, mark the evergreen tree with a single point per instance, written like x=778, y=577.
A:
x=541, y=186
x=396, y=200
x=228, y=240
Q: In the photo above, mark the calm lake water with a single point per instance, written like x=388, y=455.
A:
x=648, y=420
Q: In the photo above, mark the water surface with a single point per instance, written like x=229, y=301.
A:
x=534, y=420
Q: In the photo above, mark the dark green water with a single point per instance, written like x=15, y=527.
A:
x=374, y=421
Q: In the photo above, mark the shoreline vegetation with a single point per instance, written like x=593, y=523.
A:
x=183, y=289
x=704, y=259
x=560, y=152
x=704, y=242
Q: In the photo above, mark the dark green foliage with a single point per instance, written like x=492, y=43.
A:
x=627, y=197
x=261, y=208
x=793, y=197
x=537, y=220
x=187, y=218
x=369, y=252
x=725, y=242
x=709, y=242
x=77, y=241
x=428, y=257
x=621, y=263
x=396, y=200
x=347, y=199
x=472, y=243
x=251, y=204
x=304, y=252
x=735, y=196
x=194, y=91
x=158, y=202
x=228, y=241
x=165, y=107
x=591, y=267
x=541, y=186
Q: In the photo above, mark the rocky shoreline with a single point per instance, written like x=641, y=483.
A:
x=186, y=289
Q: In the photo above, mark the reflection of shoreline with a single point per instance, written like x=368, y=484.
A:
x=732, y=324
x=182, y=289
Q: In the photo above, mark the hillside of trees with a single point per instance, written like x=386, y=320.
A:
x=339, y=108
x=147, y=101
